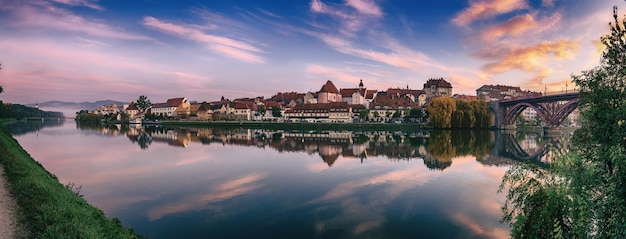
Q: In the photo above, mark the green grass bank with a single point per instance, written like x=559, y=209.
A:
x=47, y=208
x=299, y=126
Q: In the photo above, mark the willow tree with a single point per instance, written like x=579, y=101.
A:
x=482, y=113
x=440, y=112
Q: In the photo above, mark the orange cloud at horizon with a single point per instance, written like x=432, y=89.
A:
x=520, y=26
x=529, y=59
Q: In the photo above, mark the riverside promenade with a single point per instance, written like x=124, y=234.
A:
x=7, y=210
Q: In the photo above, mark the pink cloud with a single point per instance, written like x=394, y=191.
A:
x=485, y=9
x=548, y=3
x=533, y=59
x=318, y=6
x=226, y=190
x=398, y=55
x=367, y=12
x=47, y=16
x=236, y=49
x=530, y=58
x=410, y=177
x=465, y=84
x=366, y=7
x=514, y=26
x=85, y=3
x=519, y=26
x=37, y=70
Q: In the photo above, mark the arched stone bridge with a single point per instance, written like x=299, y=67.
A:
x=552, y=109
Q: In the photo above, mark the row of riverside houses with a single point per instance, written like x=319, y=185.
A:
x=329, y=104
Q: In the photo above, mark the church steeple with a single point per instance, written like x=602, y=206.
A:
x=361, y=84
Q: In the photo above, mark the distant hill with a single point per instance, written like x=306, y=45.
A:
x=69, y=109
x=81, y=105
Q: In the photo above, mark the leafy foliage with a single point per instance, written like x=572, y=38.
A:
x=440, y=112
x=85, y=116
x=364, y=114
x=276, y=112
x=21, y=111
x=459, y=113
x=583, y=194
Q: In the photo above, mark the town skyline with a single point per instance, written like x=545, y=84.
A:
x=82, y=50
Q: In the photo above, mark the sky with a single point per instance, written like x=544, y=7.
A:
x=88, y=50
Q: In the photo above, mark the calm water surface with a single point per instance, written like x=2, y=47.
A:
x=212, y=183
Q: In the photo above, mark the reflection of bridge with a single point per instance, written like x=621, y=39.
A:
x=507, y=146
x=552, y=108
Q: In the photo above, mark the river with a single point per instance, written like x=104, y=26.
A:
x=242, y=183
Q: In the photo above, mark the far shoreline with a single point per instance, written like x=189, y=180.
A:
x=299, y=125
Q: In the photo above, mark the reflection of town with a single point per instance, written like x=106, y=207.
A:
x=436, y=148
x=329, y=145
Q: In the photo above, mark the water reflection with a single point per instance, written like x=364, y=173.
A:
x=436, y=148
x=22, y=127
x=241, y=183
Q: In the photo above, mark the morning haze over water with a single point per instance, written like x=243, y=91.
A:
x=242, y=183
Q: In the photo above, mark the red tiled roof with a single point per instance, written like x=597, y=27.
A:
x=329, y=87
x=347, y=92
x=392, y=101
x=245, y=105
x=401, y=92
x=465, y=97
x=287, y=96
x=499, y=88
x=271, y=104
x=369, y=94
x=159, y=105
x=357, y=107
x=502, y=91
x=174, y=102
x=132, y=106
x=439, y=83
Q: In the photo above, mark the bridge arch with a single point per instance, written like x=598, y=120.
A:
x=514, y=112
x=550, y=108
x=562, y=112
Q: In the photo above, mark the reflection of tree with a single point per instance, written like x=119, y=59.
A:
x=89, y=126
x=432, y=163
x=104, y=129
x=440, y=145
x=444, y=145
x=477, y=143
x=144, y=140
x=26, y=126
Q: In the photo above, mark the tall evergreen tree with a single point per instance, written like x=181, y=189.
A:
x=143, y=103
